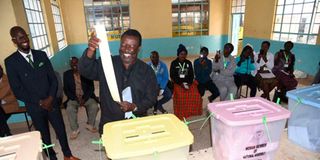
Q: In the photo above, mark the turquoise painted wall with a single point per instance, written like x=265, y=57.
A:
x=307, y=56
x=167, y=47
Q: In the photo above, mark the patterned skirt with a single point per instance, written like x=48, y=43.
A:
x=187, y=103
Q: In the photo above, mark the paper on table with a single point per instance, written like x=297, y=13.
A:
x=107, y=62
x=267, y=75
x=127, y=96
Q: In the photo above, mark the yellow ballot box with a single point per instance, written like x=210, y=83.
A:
x=25, y=146
x=161, y=137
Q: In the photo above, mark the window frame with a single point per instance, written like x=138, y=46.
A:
x=56, y=13
x=116, y=22
x=286, y=28
x=37, y=26
x=180, y=29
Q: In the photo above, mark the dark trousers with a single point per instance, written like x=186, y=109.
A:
x=209, y=85
x=246, y=79
x=4, y=128
x=166, y=97
x=40, y=118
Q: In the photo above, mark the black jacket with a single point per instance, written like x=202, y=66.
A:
x=69, y=86
x=29, y=84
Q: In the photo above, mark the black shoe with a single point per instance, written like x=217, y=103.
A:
x=210, y=99
x=163, y=111
x=155, y=112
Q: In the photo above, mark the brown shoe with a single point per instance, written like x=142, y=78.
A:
x=71, y=158
x=91, y=128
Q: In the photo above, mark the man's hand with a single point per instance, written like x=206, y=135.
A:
x=47, y=103
x=93, y=44
x=126, y=106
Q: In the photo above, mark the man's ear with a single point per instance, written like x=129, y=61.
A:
x=14, y=40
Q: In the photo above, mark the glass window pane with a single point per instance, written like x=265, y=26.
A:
x=294, y=28
x=284, y=37
x=286, y=19
x=297, y=8
x=279, y=9
x=315, y=29
x=308, y=8
x=289, y=1
x=293, y=37
x=276, y=36
x=302, y=38
x=288, y=9
x=280, y=2
x=277, y=27
x=296, y=18
x=312, y=39
x=285, y=27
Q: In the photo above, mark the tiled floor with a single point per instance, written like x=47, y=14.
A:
x=84, y=149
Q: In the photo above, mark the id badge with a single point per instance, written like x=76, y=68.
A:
x=286, y=65
x=181, y=75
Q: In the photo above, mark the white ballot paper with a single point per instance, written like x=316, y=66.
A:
x=127, y=96
x=106, y=61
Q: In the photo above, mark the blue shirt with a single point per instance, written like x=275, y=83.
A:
x=202, y=72
x=161, y=72
x=246, y=66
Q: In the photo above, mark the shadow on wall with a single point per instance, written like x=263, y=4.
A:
x=307, y=56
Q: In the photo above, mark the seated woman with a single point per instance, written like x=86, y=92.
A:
x=264, y=64
x=245, y=67
x=283, y=70
x=223, y=68
x=186, y=98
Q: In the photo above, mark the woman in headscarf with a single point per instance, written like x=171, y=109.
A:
x=186, y=98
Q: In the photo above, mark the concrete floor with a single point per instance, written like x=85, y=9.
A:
x=84, y=149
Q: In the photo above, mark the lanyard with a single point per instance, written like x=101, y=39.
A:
x=286, y=57
x=225, y=63
x=155, y=69
x=182, y=66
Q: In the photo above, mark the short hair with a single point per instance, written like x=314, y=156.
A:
x=14, y=30
x=266, y=42
x=154, y=52
x=72, y=58
x=289, y=42
x=230, y=45
x=133, y=32
x=204, y=49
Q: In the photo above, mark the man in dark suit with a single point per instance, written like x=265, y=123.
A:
x=80, y=92
x=33, y=81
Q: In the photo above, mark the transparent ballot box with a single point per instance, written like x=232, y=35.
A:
x=25, y=146
x=304, y=123
x=246, y=129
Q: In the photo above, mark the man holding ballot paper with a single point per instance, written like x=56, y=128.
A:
x=128, y=86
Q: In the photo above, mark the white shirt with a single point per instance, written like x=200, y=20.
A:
x=25, y=55
x=269, y=64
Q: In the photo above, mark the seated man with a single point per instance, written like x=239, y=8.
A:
x=80, y=92
x=202, y=71
x=161, y=71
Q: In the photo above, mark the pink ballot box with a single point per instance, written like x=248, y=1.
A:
x=246, y=129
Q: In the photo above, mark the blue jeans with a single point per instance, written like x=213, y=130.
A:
x=166, y=97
